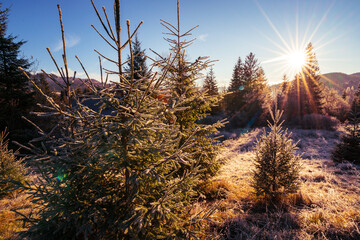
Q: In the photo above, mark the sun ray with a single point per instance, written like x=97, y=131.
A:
x=321, y=21
x=272, y=25
x=330, y=81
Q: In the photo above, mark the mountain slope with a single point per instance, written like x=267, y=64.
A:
x=341, y=81
x=76, y=83
x=337, y=80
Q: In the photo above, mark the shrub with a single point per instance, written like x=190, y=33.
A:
x=276, y=165
x=11, y=168
x=315, y=121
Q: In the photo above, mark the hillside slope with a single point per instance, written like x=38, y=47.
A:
x=336, y=80
x=341, y=81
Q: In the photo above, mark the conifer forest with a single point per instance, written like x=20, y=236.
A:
x=159, y=146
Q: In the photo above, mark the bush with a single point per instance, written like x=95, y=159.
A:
x=276, y=165
x=315, y=121
x=11, y=168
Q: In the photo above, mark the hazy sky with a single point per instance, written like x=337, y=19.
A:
x=228, y=29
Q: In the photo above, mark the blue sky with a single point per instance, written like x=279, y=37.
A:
x=228, y=29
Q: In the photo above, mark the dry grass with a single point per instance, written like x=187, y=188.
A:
x=326, y=207
x=9, y=220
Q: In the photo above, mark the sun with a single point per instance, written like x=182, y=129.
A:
x=296, y=60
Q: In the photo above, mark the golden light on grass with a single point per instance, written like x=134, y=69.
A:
x=326, y=205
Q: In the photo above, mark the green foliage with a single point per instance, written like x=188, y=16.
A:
x=248, y=100
x=116, y=175
x=16, y=96
x=349, y=147
x=276, y=165
x=139, y=64
x=195, y=104
x=11, y=168
x=210, y=84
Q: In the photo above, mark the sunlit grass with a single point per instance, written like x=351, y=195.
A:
x=10, y=223
x=327, y=206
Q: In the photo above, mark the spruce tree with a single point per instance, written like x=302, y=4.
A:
x=236, y=81
x=181, y=78
x=140, y=67
x=233, y=99
x=15, y=92
x=306, y=92
x=248, y=99
x=349, y=147
x=210, y=84
x=282, y=95
x=113, y=176
x=276, y=164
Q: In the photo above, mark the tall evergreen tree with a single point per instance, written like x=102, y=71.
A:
x=210, y=84
x=181, y=78
x=249, y=90
x=306, y=92
x=15, y=92
x=139, y=64
x=281, y=97
x=236, y=81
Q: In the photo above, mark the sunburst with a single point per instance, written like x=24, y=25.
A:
x=290, y=54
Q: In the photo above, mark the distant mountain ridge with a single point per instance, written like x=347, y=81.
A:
x=341, y=81
x=75, y=83
x=337, y=80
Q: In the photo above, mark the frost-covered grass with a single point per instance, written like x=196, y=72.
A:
x=9, y=220
x=327, y=205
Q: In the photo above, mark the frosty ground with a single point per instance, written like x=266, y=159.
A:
x=326, y=207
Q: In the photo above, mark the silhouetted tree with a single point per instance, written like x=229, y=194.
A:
x=15, y=92
x=236, y=81
x=306, y=93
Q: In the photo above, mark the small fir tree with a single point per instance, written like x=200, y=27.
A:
x=276, y=164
